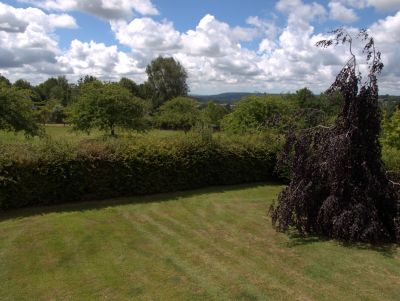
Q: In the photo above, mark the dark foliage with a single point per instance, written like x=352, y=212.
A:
x=57, y=173
x=339, y=187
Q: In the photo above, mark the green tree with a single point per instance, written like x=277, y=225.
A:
x=22, y=84
x=167, y=78
x=145, y=91
x=180, y=113
x=57, y=89
x=213, y=113
x=4, y=80
x=16, y=111
x=258, y=113
x=130, y=85
x=107, y=106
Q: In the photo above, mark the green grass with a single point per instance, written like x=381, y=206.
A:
x=210, y=244
x=60, y=132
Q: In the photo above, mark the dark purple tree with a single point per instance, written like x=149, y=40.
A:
x=339, y=187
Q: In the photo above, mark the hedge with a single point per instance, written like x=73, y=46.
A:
x=53, y=173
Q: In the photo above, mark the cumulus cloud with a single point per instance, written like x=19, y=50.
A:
x=97, y=59
x=341, y=13
x=147, y=35
x=26, y=37
x=106, y=9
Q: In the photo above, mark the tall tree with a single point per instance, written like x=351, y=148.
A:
x=130, y=85
x=167, y=78
x=339, y=187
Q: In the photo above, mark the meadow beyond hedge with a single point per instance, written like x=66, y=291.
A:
x=56, y=172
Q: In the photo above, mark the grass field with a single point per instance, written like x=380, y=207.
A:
x=210, y=244
x=61, y=132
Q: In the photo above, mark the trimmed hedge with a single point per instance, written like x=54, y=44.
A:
x=53, y=173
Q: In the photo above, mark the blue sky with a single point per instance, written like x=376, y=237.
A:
x=225, y=45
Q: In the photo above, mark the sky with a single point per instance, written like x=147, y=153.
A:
x=225, y=45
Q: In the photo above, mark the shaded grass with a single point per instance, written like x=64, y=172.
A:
x=208, y=244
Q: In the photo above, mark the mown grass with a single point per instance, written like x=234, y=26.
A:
x=209, y=244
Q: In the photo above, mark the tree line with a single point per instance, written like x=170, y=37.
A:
x=162, y=102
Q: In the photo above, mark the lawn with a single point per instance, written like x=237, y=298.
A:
x=209, y=244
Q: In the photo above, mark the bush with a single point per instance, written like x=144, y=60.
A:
x=391, y=159
x=53, y=173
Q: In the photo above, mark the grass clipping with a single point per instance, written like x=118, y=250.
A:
x=339, y=187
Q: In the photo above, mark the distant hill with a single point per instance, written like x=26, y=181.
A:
x=228, y=97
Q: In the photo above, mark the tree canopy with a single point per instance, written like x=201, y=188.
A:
x=180, y=113
x=167, y=78
x=256, y=113
x=16, y=111
x=107, y=106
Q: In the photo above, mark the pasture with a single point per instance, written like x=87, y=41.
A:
x=207, y=244
x=59, y=132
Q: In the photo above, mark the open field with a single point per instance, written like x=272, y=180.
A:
x=60, y=132
x=209, y=244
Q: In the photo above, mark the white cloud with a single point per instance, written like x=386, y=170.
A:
x=102, y=61
x=386, y=33
x=146, y=35
x=26, y=37
x=106, y=9
x=341, y=13
x=377, y=4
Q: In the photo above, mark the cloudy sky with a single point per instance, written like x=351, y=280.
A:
x=225, y=45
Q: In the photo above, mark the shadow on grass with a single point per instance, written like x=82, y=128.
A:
x=94, y=205
x=385, y=249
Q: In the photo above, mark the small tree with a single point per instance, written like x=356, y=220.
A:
x=339, y=187
x=180, y=113
x=213, y=113
x=167, y=78
x=16, y=111
x=258, y=113
x=130, y=85
x=106, y=106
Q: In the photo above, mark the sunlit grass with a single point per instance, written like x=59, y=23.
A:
x=210, y=244
x=61, y=132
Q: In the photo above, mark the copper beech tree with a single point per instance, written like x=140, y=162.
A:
x=339, y=187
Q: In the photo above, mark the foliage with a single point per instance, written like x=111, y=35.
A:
x=53, y=172
x=258, y=113
x=180, y=113
x=106, y=106
x=213, y=113
x=55, y=89
x=391, y=130
x=130, y=85
x=4, y=81
x=167, y=77
x=339, y=187
x=16, y=111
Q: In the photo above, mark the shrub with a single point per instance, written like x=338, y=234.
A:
x=53, y=173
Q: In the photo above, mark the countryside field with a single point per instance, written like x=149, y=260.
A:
x=59, y=132
x=208, y=244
